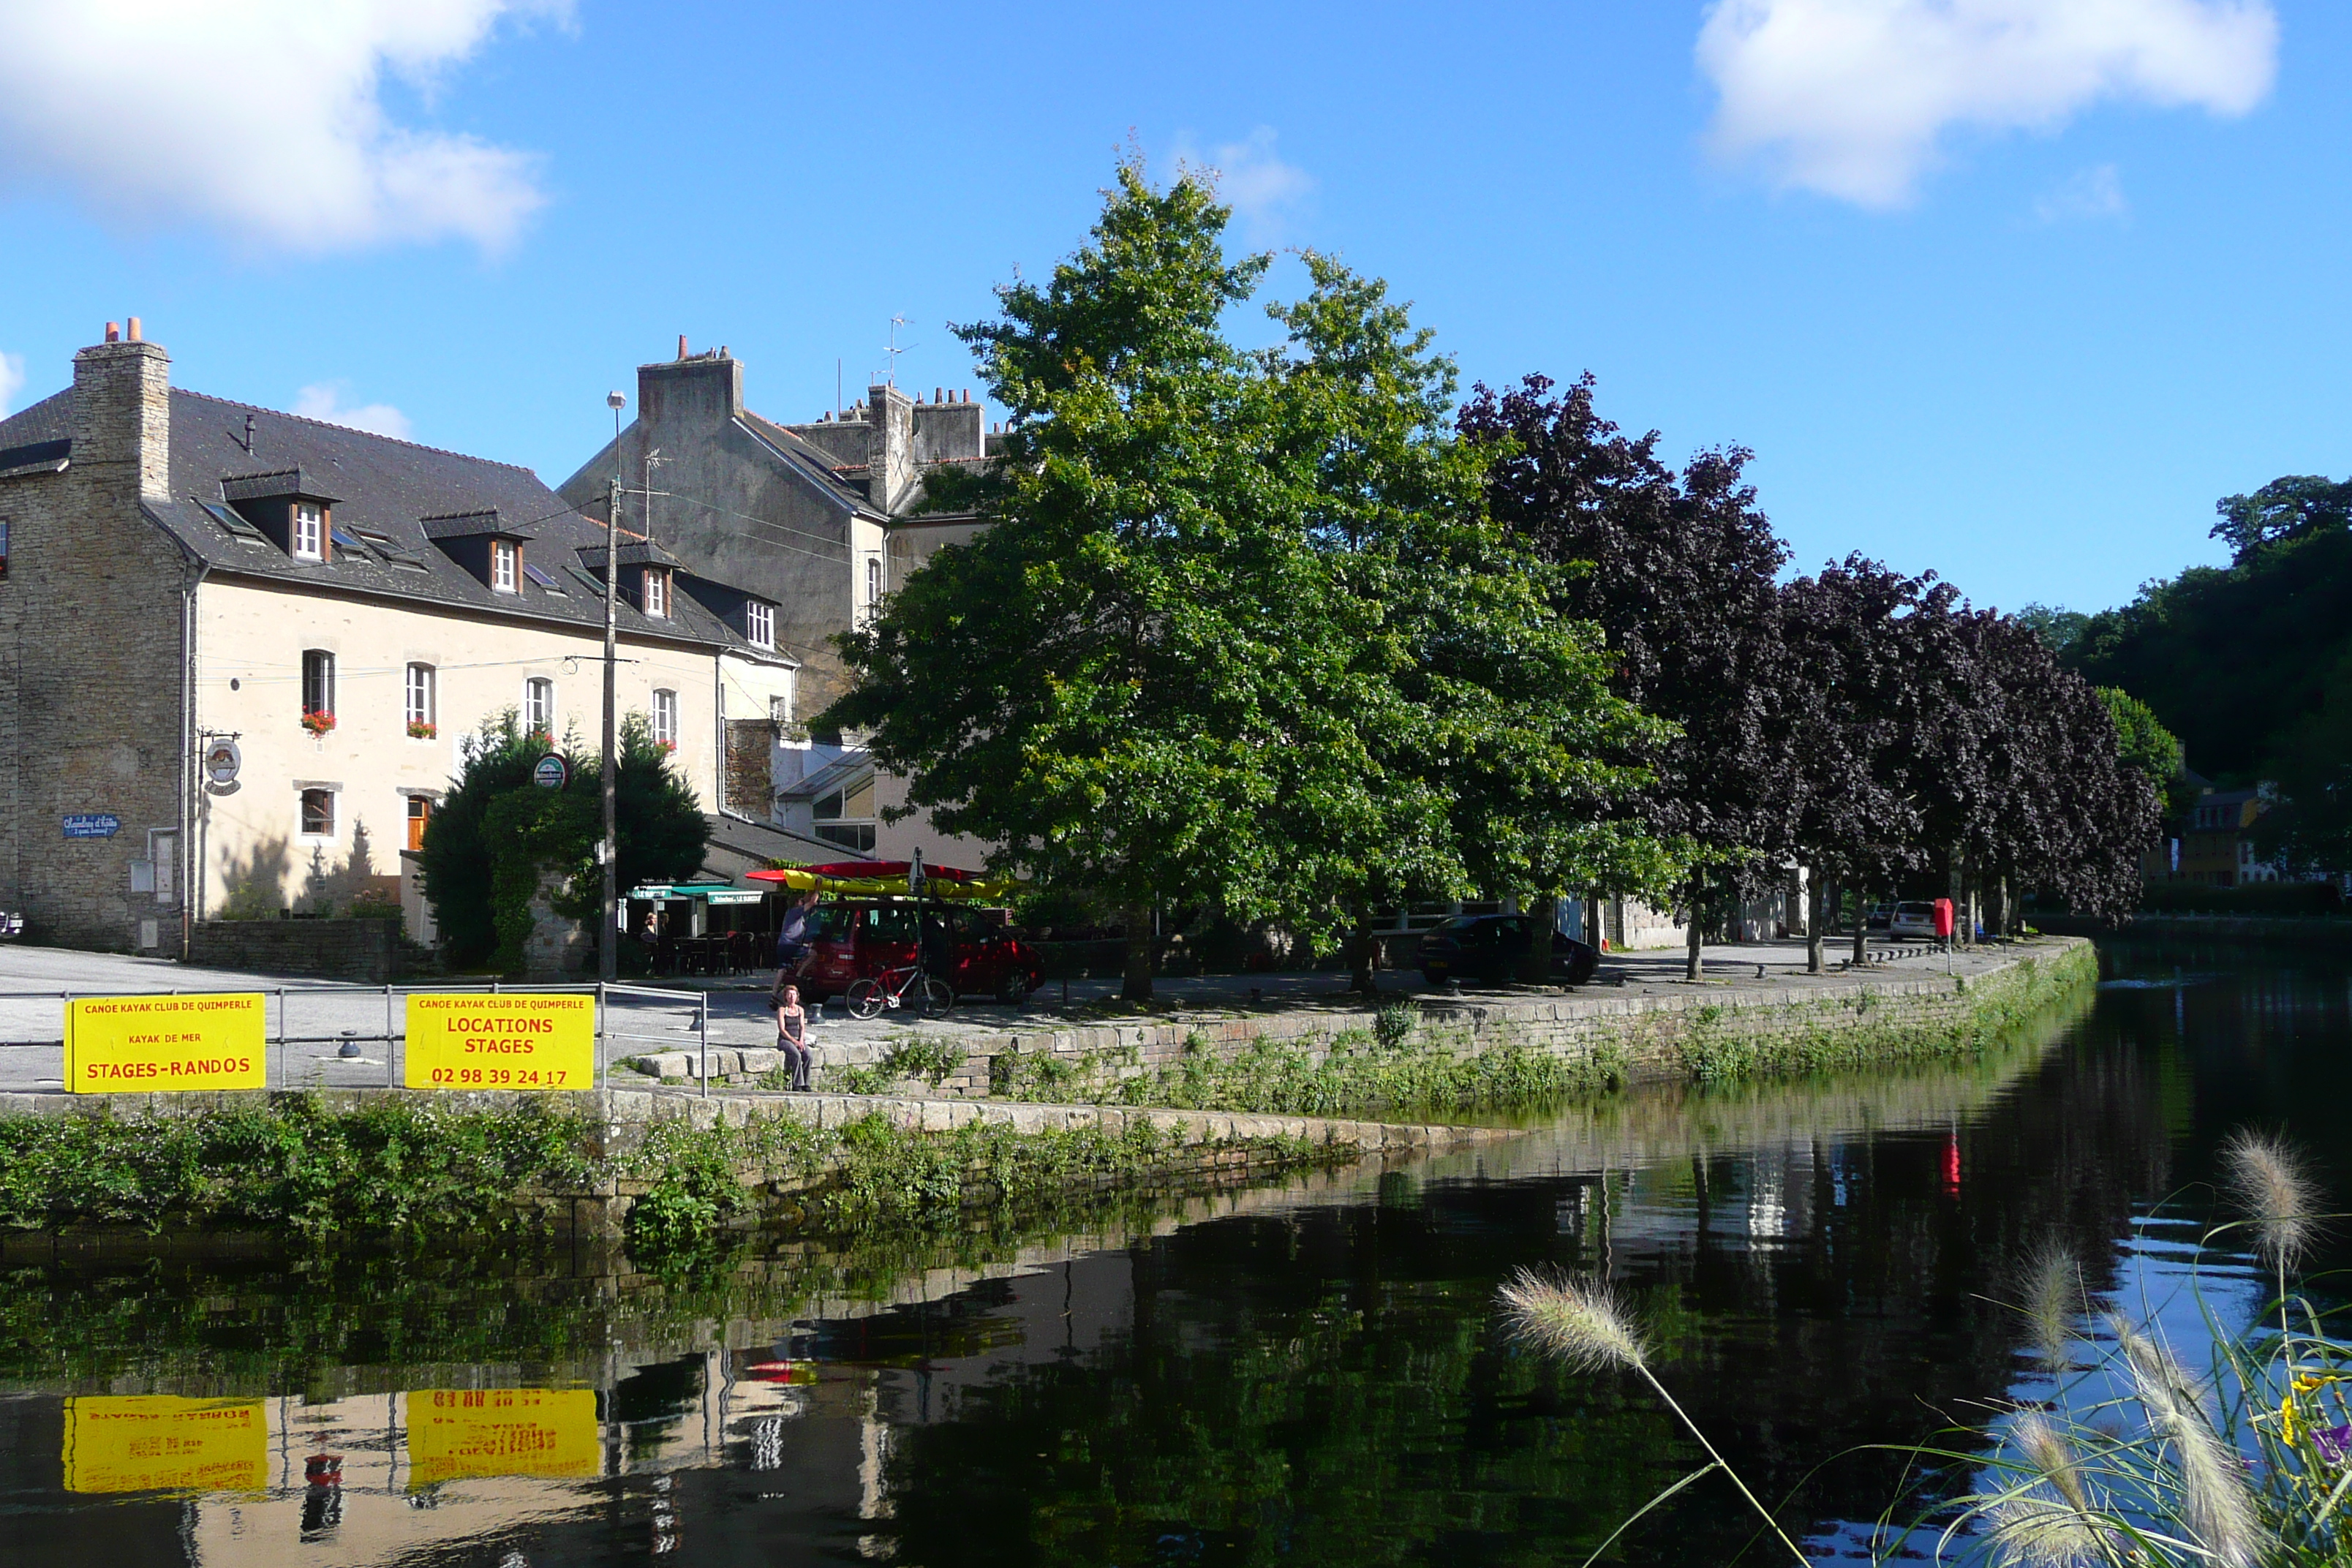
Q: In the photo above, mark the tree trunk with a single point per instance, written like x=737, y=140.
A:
x=1363, y=955
x=1136, y=986
x=1861, y=921
x=1816, y=917
x=1693, y=966
x=1535, y=959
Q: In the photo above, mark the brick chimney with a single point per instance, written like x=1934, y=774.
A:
x=122, y=415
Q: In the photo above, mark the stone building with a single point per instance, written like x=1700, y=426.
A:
x=821, y=517
x=176, y=570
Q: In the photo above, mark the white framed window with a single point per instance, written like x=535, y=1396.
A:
x=539, y=705
x=657, y=595
x=318, y=813
x=872, y=583
x=317, y=690
x=505, y=559
x=420, y=702
x=779, y=708
x=666, y=720
x=309, y=532
x=760, y=624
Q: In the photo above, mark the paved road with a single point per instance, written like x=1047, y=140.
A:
x=315, y=1017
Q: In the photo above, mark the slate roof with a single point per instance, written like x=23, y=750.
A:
x=812, y=462
x=388, y=489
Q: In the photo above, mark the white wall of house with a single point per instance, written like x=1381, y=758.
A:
x=250, y=638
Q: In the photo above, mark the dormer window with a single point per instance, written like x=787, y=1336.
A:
x=506, y=565
x=759, y=624
x=656, y=593
x=309, y=532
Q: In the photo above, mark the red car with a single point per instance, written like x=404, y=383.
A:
x=850, y=939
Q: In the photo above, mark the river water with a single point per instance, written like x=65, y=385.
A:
x=1311, y=1374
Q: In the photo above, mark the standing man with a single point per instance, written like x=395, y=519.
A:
x=791, y=937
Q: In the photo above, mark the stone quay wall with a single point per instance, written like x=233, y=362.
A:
x=1196, y=1149
x=1700, y=1033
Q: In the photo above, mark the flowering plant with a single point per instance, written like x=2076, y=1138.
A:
x=317, y=721
x=420, y=730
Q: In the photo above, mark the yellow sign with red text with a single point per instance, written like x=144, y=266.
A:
x=141, y=1045
x=455, y=1432
x=160, y=1442
x=509, y=1039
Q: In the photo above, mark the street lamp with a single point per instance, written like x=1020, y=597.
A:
x=608, y=850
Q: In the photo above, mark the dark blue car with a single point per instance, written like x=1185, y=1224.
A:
x=1485, y=950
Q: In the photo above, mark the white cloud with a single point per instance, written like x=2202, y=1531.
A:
x=2092, y=193
x=12, y=379
x=1250, y=176
x=324, y=400
x=263, y=119
x=1852, y=98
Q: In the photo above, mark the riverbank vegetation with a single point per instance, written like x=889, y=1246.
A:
x=2143, y=1454
x=871, y=1174
x=1358, y=1075
x=299, y=1168
x=391, y=1166
x=1400, y=1070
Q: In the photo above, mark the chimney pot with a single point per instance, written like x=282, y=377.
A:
x=722, y=351
x=681, y=346
x=112, y=335
x=132, y=335
x=935, y=396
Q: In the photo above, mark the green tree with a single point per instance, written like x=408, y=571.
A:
x=496, y=831
x=2054, y=625
x=1237, y=637
x=2142, y=742
x=1504, y=759
x=2232, y=659
x=2309, y=826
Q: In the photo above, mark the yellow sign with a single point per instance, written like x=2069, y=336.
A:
x=514, y=1039
x=160, y=1442
x=138, y=1045
x=502, y=1432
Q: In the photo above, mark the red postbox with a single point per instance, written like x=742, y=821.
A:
x=1944, y=918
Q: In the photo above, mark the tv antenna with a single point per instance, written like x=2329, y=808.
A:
x=894, y=351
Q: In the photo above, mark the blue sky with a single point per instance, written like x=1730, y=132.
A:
x=2009, y=288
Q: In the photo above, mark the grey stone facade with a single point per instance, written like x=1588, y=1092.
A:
x=815, y=515
x=93, y=651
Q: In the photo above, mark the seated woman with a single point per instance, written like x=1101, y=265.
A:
x=792, y=1029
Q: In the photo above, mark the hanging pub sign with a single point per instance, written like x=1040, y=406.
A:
x=222, y=762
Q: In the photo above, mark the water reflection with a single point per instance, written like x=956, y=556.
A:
x=1312, y=1373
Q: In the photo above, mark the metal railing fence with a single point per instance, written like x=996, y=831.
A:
x=342, y=1017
